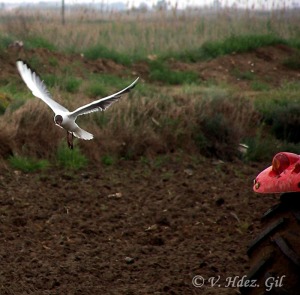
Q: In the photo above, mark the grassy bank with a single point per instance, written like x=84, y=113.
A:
x=170, y=111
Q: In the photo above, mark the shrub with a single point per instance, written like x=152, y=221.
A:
x=222, y=124
x=265, y=147
x=283, y=116
x=286, y=122
x=217, y=136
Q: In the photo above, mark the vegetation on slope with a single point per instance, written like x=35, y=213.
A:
x=181, y=113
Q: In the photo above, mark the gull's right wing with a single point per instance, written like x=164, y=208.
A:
x=103, y=103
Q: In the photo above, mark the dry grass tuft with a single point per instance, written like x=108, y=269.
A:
x=31, y=130
x=6, y=142
x=160, y=125
x=223, y=124
x=138, y=126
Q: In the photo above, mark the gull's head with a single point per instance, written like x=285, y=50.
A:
x=58, y=119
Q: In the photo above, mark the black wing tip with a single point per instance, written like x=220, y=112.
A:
x=28, y=66
x=134, y=83
x=131, y=86
x=19, y=60
x=24, y=62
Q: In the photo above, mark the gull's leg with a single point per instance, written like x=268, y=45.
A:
x=70, y=139
x=72, y=136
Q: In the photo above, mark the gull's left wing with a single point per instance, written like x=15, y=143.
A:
x=37, y=87
x=101, y=104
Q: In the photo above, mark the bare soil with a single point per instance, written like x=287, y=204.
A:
x=135, y=227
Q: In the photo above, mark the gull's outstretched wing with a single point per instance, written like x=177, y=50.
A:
x=37, y=87
x=101, y=104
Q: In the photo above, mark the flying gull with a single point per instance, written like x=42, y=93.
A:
x=63, y=117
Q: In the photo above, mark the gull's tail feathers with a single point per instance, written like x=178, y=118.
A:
x=80, y=133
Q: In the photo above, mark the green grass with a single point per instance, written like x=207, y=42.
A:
x=53, y=61
x=257, y=85
x=33, y=42
x=101, y=118
x=198, y=114
x=71, y=159
x=51, y=80
x=285, y=122
x=161, y=72
x=107, y=160
x=263, y=146
x=293, y=62
x=34, y=62
x=13, y=94
x=229, y=45
x=95, y=90
x=4, y=102
x=71, y=84
x=279, y=98
x=216, y=93
x=26, y=164
x=280, y=110
x=12, y=87
x=100, y=51
x=100, y=85
x=239, y=44
x=289, y=89
x=65, y=83
x=5, y=40
x=161, y=160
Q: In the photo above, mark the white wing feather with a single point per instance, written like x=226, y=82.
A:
x=101, y=104
x=37, y=87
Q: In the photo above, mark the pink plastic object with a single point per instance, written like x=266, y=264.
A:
x=283, y=176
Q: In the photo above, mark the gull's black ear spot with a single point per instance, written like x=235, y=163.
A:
x=58, y=119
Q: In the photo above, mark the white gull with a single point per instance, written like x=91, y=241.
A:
x=63, y=117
